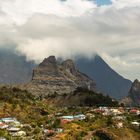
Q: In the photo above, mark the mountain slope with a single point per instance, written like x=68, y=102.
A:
x=133, y=98
x=107, y=80
x=51, y=77
x=13, y=68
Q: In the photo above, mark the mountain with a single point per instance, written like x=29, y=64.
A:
x=14, y=69
x=107, y=80
x=133, y=98
x=51, y=77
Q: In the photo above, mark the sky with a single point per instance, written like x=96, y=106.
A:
x=71, y=28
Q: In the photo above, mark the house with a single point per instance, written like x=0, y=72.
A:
x=135, y=123
x=122, y=118
x=119, y=125
x=106, y=113
x=8, y=120
x=2, y=138
x=134, y=111
x=90, y=115
x=48, y=132
x=19, y=134
x=79, y=117
x=59, y=130
x=103, y=108
x=99, y=111
x=68, y=118
x=63, y=122
x=75, y=117
x=115, y=111
x=13, y=129
x=3, y=125
x=138, y=112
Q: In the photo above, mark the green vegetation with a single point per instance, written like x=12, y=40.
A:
x=82, y=97
x=39, y=115
x=95, y=99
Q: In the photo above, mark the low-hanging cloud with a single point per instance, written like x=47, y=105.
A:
x=39, y=28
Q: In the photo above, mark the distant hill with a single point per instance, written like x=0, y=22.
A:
x=14, y=69
x=81, y=97
x=107, y=80
x=133, y=98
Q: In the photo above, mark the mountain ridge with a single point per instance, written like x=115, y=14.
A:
x=133, y=98
x=107, y=80
x=19, y=71
x=50, y=77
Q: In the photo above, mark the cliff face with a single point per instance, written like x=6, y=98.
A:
x=133, y=98
x=51, y=77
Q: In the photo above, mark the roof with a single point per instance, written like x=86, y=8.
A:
x=67, y=117
x=135, y=123
x=13, y=129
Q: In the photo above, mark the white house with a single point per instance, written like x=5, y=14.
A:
x=135, y=123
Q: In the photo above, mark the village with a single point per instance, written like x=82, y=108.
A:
x=118, y=118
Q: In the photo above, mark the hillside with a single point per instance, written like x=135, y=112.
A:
x=14, y=69
x=40, y=120
x=133, y=98
x=107, y=80
x=81, y=97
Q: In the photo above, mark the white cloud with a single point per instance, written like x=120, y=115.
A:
x=41, y=28
x=126, y=3
x=20, y=10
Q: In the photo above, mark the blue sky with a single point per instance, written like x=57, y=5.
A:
x=103, y=2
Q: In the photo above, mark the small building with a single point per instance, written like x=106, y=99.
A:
x=3, y=125
x=48, y=132
x=119, y=124
x=80, y=117
x=90, y=115
x=69, y=118
x=59, y=130
x=19, y=134
x=135, y=123
x=134, y=111
x=13, y=129
x=2, y=138
x=8, y=120
x=120, y=118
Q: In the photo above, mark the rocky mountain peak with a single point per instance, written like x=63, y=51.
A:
x=70, y=66
x=135, y=87
x=48, y=61
x=52, y=77
x=134, y=95
x=136, y=82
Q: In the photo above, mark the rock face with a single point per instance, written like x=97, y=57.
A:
x=52, y=77
x=133, y=98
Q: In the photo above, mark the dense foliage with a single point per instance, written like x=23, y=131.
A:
x=95, y=99
x=82, y=97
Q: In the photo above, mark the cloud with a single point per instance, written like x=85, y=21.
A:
x=39, y=28
x=126, y=3
x=21, y=10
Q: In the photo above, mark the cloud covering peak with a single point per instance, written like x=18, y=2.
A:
x=38, y=28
